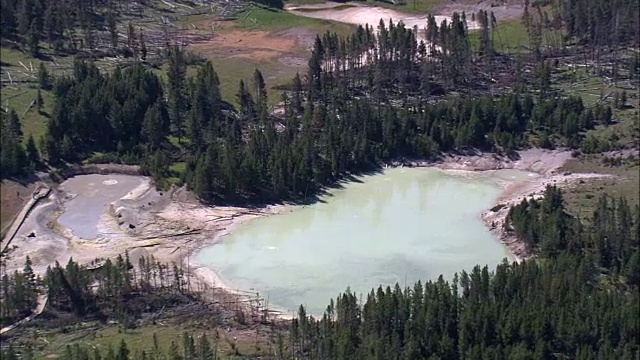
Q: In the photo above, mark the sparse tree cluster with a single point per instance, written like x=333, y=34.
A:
x=191, y=347
x=67, y=26
x=15, y=159
x=109, y=290
x=18, y=293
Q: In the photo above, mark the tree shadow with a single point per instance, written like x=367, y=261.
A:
x=317, y=195
x=23, y=180
x=43, y=57
x=513, y=155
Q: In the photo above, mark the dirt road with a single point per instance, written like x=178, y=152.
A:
x=41, y=303
x=38, y=195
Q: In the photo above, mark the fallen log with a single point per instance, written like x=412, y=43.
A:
x=28, y=107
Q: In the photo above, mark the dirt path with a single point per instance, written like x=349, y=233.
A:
x=41, y=303
x=38, y=195
x=13, y=197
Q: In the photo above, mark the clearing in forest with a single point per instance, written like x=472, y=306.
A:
x=277, y=43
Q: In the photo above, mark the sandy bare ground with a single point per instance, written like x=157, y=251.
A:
x=167, y=225
x=287, y=46
x=258, y=45
x=172, y=226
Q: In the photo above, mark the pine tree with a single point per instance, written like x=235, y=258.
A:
x=10, y=354
x=143, y=47
x=245, y=100
x=43, y=77
x=14, y=125
x=131, y=40
x=177, y=77
x=113, y=30
x=156, y=346
x=33, y=40
x=259, y=89
x=52, y=149
x=7, y=19
x=31, y=285
x=205, y=352
x=123, y=351
x=32, y=151
x=296, y=99
x=39, y=101
x=174, y=352
x=24, y=17
x=155, y=125
x=49, y=24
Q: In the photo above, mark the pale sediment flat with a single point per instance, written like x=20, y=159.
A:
x=358, y=14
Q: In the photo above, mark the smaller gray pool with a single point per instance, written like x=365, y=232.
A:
x=92, y=196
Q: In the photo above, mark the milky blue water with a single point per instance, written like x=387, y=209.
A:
x=395, y=227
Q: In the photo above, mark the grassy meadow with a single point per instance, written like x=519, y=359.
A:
x=235, y=344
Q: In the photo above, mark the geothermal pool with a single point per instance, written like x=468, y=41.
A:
x=92, y=195
x=399, y=226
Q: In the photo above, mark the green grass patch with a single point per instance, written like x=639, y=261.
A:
x=34, y=122
x=13, y=57
x=24, y=71
x=582, y=199
x=102, y=337
x=625, y=131
x=592, y=88
x=187, y=20
x=178, y=168
x=20, y=64
x=230, y=71
x=267, y=19
x=508, y=37
x=174, y=141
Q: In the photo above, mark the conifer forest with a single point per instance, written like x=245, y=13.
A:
x=377, y=96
